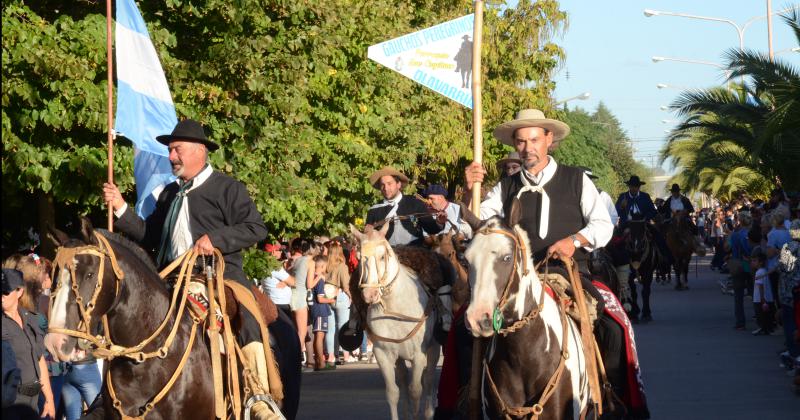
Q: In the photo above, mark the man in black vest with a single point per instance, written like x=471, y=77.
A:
x=678, y=202
x=407, y=216
x=203, y=209
x=561, y=209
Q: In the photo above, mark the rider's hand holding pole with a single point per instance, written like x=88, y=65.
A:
x=474, y=172
x=112, y=196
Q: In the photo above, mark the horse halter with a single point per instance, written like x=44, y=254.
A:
x=370, y=251
x=65, y=259
x=519, y=253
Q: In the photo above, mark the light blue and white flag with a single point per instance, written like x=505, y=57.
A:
x=144, y=105
x=439, y=58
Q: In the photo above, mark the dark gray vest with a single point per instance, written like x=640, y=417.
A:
x=566, y=218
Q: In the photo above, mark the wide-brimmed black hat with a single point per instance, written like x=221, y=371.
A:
x=350, y=339
x=188, y=130
x=675, y=187
x=634, y=181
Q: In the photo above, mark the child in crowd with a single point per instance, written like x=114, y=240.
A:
x=763, y=301
x=320, y=311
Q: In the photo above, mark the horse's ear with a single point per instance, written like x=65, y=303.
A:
x=356, y=233
x=429, y=241
x=384, y=229
x=468, y=216
x=57, y=236
x=87, y=231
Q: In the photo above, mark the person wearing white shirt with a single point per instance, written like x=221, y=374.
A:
x=437, y=196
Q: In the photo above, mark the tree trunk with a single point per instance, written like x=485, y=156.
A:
x=46, y=221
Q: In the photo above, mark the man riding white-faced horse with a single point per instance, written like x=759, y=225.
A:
x=560, y=212
x=201, y=211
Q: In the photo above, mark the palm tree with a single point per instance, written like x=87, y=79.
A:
x=746, y=137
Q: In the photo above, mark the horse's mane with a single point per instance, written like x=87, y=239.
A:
x=131, y=246
x=495, y=222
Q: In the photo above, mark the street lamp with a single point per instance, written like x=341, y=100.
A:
x=582, y=96
x=664, y=108
x=795, y=49
x=664, y=86
x=739, y=29
x=658, y=59
x=667, y=121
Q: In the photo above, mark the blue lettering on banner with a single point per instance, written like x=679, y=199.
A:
x=427, y=36
x=450, y=91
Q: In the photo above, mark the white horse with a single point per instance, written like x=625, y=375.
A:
x=534, y=363
x=400, y=323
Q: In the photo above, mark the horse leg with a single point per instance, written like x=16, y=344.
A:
x=647, y=281
x=634, y=313
x=401, y=373
x=416, y=387
x=387, y=365
x=429, y=380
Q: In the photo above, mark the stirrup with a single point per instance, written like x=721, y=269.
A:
x=267, y=399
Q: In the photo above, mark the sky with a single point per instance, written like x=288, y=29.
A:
x=610, y=44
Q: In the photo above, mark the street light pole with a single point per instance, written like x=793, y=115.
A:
x=658, y=59
x=582, y=96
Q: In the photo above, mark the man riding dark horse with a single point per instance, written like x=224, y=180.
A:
x=678, y=204
x=637, y=204
x=558, y=207
x=202, y=210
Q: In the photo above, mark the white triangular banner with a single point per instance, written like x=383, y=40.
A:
x=439, y=58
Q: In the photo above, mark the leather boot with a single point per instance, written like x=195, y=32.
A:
x=446, y=299
x=257, y=363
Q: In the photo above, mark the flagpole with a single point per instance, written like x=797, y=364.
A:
x=477, y=117
x=475, y=411
x=110, y=112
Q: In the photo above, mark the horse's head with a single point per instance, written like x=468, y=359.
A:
x=86, y=289
x=445, y=244
x=379, y=264
x=497, y=256
x=636, y=237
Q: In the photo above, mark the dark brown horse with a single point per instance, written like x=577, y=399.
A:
x=127, y=290
x=640, y=244
x=681, y=244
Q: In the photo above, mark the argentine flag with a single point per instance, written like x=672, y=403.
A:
x=144, y=105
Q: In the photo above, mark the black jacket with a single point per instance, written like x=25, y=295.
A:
x=220, y=208
x=408, y=206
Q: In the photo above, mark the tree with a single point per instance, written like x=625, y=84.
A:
x=744, y=138
x=284, y=86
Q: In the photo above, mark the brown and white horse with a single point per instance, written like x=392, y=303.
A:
x=534, y=363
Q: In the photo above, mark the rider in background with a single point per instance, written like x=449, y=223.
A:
x=678, y=202
x=637, y=204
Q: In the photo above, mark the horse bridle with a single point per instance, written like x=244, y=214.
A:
x=520, y=254
x=104, y=346
x=384, y=289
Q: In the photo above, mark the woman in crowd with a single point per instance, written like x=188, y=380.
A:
x=339, y=276
x=21, y=329
x=36, y=279
x=302, y=270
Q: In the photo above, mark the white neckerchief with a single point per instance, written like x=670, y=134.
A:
x=634, y=208
x=540, y=179
x=182, y=233
x=675, y=203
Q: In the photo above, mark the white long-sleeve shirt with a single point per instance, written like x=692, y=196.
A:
x=598, y=229
x=612, y=209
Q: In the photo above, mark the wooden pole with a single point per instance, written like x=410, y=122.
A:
x=476, y=376
x=477, y=115
x=769, y=30
x=110, y=111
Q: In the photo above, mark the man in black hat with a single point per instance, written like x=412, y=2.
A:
x=438, y=200
x=202, y=210
x=635, y=203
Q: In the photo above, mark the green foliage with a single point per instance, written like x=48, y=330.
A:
x=285, y=87
x=258, y=264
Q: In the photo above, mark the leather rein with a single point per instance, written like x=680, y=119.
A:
x=385, y=288
x=520, y=253
x=103, y=346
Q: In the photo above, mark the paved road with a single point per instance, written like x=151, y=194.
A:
x=695, y=365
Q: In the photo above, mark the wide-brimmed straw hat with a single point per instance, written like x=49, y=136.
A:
x=188, y=130
x=512, y=157
x=530, y=118
x=386, y=170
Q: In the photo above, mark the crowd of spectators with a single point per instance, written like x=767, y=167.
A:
x=757, y=244
x=312, y=287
